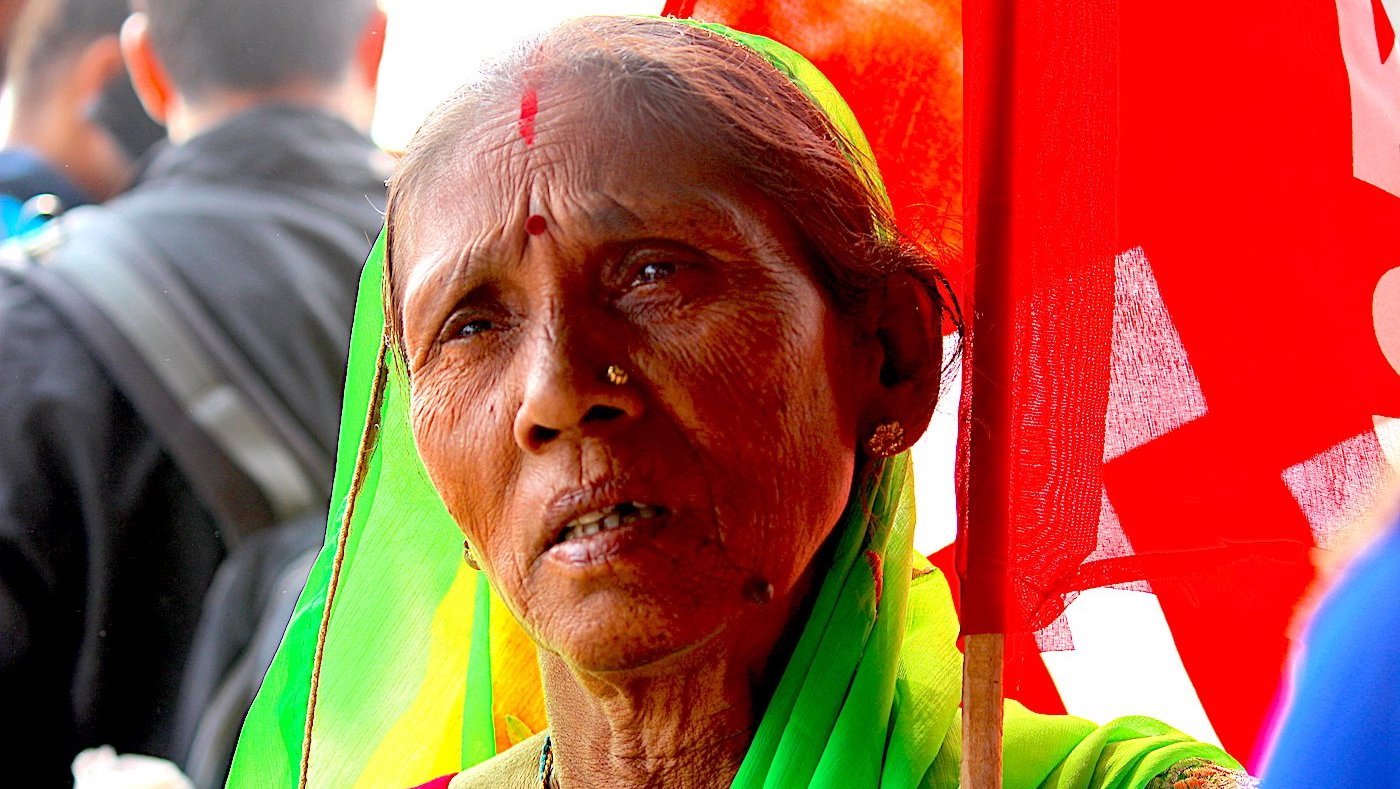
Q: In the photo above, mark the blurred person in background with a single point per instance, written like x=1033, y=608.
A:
x=76, y=129
x=1342, y=728
x=159, y=355
x=9, y=12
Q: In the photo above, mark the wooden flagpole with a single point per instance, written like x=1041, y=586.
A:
x=982, y=711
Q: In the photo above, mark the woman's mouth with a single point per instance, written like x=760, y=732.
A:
x=593, y=540
x=609, y=518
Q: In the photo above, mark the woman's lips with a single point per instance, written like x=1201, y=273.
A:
x=601, y=522
x=599, y=543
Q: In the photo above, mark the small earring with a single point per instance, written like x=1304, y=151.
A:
x=887, y=440
x=468, y=557
x=616, y=375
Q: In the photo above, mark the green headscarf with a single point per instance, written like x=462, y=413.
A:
x=401, y=665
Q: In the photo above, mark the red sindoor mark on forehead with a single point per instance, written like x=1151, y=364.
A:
x=529, y=108
x=535, y=225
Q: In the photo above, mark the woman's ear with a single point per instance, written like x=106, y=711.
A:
x=908, y=328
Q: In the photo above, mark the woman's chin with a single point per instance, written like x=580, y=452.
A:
x=611, y=631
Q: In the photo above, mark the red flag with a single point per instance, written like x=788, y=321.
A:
x=1252, y=197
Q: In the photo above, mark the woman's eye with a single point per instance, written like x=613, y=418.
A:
x=648, y=273
x=472, y=327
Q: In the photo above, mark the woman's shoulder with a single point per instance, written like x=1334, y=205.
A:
x=517, y=767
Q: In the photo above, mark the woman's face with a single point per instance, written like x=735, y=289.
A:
x=622, y=523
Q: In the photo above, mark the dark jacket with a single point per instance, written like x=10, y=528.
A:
x=105, y=551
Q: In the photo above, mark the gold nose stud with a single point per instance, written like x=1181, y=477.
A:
x=616, y=375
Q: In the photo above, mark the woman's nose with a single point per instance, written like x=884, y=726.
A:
x=568, y=399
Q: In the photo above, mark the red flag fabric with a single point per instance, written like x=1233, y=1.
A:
x=1259, y=214
x=1185, y=352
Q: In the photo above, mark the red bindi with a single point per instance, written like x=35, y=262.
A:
x=529, y=108
x=535, y=225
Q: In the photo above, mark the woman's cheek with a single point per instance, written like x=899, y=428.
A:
x=769, y=406
x=728, y=375
x=723, y=350
x=450, y=427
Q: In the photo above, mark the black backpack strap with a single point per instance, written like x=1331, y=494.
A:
x=246, y=456
x=246, y=611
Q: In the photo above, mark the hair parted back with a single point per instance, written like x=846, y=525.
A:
x=701, y=85
x=254, y=44
x=49, y=33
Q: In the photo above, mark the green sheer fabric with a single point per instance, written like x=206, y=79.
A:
x=400, y=664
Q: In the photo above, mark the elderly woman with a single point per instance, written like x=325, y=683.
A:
x=661, y=350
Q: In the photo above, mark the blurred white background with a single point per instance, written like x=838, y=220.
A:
x=433, y=46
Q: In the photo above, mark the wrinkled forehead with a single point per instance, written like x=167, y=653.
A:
x=562, y=151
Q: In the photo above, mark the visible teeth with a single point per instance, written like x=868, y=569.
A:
x=610, y=518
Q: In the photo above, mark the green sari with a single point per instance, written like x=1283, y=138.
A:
x=400, y=664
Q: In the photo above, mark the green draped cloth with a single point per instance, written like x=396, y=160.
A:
x=401, y=665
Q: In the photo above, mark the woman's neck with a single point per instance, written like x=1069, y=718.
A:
x=686, y=722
